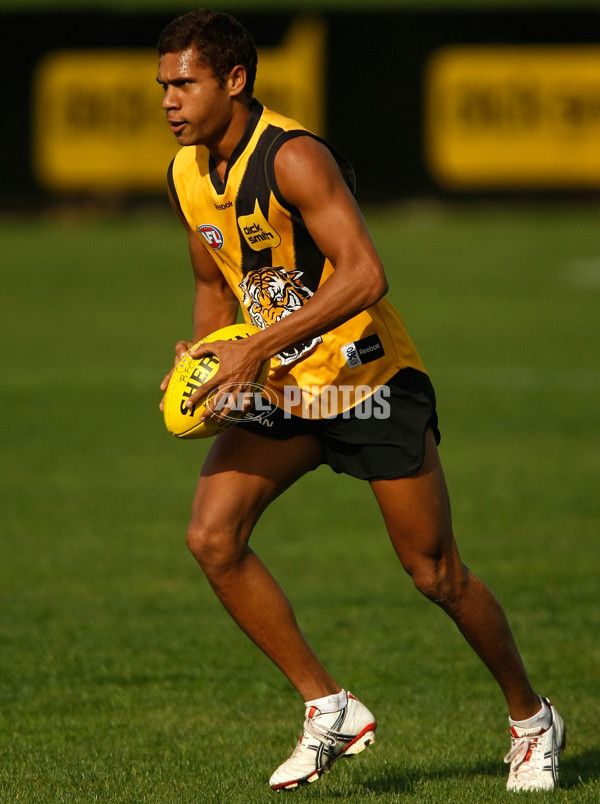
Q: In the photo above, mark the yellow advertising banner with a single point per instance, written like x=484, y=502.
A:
x=98, y=124
x=513, y=116
x=98, y=121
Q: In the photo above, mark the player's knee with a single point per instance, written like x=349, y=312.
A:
x=198, y=541
x=441, y=581
x=213, y=547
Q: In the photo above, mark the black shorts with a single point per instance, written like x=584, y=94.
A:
x=368, y=447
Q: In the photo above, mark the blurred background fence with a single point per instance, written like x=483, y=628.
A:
x=425, y=100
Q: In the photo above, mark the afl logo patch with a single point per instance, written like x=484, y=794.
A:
x=212, y=235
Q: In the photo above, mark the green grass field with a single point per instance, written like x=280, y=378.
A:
x=122, y=679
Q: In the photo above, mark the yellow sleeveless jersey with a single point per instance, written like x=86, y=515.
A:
x=273, y=267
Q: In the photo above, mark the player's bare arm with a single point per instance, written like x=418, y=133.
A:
x=309, y=178
x=215, y=305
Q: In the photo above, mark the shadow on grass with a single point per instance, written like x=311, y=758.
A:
x=401, y=779
x=575, y=771
x=579, y=769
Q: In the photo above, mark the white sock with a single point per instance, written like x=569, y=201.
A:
x=541, y=720
x=330, y=703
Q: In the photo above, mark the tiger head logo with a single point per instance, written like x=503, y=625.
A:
x=271, y=294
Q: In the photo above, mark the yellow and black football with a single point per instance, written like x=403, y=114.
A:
x=189, y=375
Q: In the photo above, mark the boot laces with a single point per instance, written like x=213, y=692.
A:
x=320, y=733
x=520, y=755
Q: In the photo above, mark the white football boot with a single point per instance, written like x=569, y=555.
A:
x=326, y=737
x=534, y=755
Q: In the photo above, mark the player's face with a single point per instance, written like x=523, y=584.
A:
x=198, y=108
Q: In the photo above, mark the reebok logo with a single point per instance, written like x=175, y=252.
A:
x=364, y=351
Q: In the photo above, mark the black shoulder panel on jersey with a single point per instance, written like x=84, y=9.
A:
x=344, y=165
x=308, y=257
x=254, y=190
x=172, y=188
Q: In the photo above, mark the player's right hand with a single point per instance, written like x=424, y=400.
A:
x=181, y=347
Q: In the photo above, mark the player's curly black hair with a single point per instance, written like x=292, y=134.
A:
x=220, y=39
